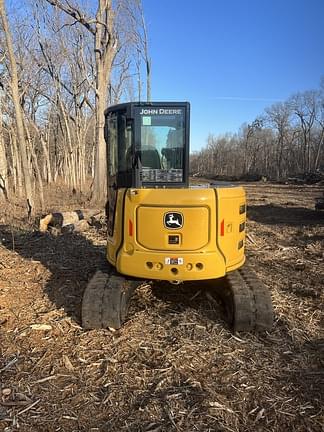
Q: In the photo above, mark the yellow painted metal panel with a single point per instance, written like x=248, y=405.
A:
x=229, y=201
x=206, y=250
x=113, y=242
x=151, y=233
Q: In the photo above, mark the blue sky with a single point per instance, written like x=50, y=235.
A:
x=233, y=58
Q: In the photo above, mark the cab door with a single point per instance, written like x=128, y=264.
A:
x=119, y=138
x=112, y=170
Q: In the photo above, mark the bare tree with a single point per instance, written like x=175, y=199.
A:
x=278, y=116
x=105, y=47
x=143, y=44
x=304, y=108
x=319, y=142
x=251, y=144
x=14, y=87
x=138, y=36
x=3, y=158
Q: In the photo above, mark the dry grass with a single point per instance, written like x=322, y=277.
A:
x=174, y=366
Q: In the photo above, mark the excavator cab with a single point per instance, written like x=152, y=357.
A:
x=147, y=147
x=161, y=228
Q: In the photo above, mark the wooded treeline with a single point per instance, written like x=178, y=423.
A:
x=286, y=140
x=62, y=63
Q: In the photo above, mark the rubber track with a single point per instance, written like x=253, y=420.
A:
x=250, y=302
x=105, y=301
x=262, y=299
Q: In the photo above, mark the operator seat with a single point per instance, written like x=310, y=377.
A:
x=150, y=158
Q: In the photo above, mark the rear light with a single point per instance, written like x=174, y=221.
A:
x=222, y=228
x=130, y=228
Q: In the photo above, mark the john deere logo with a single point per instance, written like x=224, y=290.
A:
x=173, y=220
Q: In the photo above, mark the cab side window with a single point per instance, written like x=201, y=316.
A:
x=112, y=146
x=125, y=145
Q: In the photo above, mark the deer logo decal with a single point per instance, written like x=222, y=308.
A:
x=173, y=220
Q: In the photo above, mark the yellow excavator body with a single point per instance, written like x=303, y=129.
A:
x=164, y=229
x=178, y=234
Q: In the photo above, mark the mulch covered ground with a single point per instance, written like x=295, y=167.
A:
x=175, y=365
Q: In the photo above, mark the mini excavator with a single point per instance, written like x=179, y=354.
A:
x=162, y=229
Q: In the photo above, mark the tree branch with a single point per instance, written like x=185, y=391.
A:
x=74, y=13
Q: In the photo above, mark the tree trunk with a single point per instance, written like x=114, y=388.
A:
x=47, y=163
x=18, y=110
x=16, y=165
x=105, y=51
x=146, y=57
x=3, y=162
x=70, y=151
x=37, y=170
x=319, y=149
x=100, y=174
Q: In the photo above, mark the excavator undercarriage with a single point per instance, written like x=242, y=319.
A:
x=246, y=300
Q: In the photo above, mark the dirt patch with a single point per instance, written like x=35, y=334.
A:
x=175, y=364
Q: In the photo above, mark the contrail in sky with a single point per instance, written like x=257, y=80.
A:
x=246, y=99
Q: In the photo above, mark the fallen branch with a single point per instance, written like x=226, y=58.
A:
x=29, y=407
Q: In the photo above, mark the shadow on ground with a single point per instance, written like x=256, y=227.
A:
x=72, y=259
x=204, y=297
x=277, y=215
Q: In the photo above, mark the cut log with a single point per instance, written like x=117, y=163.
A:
x=62, y=219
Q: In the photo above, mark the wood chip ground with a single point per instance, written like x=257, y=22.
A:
x=175, y=365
